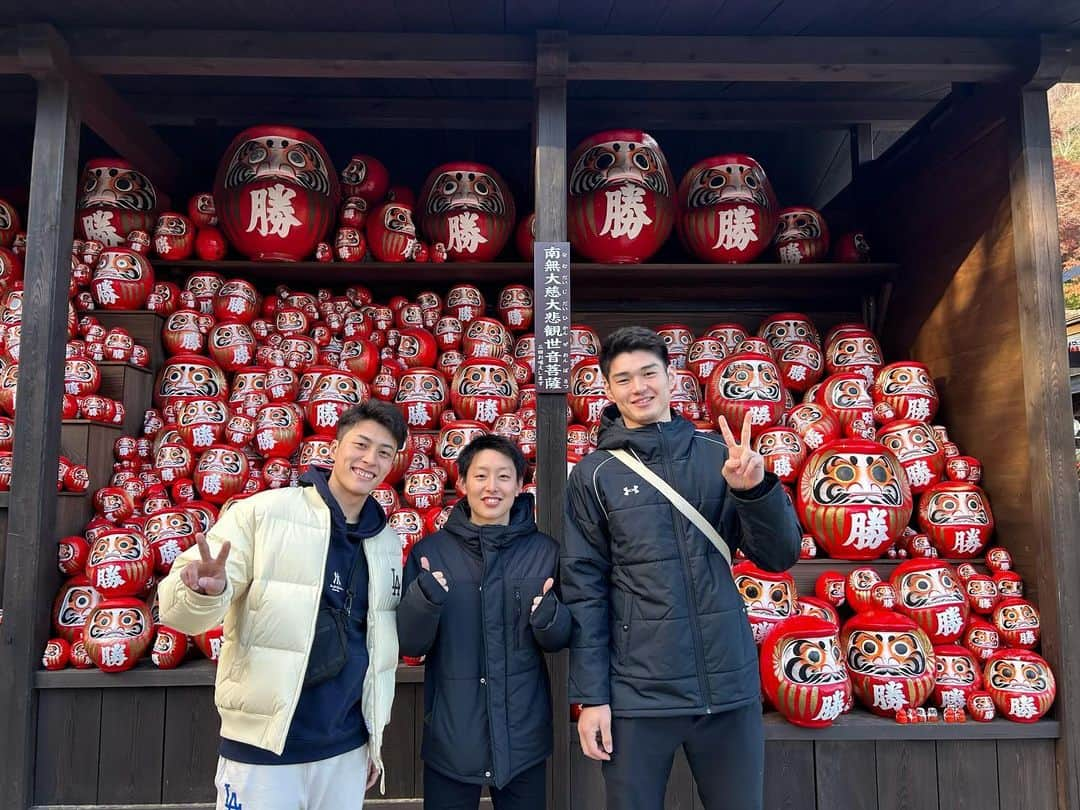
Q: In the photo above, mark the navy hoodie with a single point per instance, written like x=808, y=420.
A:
x=328, y=719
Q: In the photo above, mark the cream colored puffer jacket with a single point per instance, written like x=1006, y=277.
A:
x=280, y=540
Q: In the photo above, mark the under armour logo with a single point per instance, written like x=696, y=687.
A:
x=628, y=491
x=396, y=589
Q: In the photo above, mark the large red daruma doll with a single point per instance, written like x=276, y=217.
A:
x=467, y=207
x=769, y=598
x=621, y=208
x=890, y=661
x=114, y=199
x=854, y=498
x=803, y=673
x=727, y=209
x=743, y=383
x=277, y=193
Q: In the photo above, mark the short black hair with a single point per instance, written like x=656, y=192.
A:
x=490, y=441
x=374, y=410
x=631, y=339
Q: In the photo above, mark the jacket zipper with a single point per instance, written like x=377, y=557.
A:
x=486, y=676
x=688, y=578
x=517, y=617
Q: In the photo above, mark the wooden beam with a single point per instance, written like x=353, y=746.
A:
x=799, y=59
x=43, y=52
x=30, y=569
x=327, y=112
x=303, y=54
x=1055, y=513
x=549, y=177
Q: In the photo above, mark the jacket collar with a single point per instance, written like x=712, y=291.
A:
x=522, y=524
x=650, y=442
x=371, y=514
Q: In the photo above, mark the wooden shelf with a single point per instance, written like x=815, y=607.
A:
x=200, y=672
x=862, y=725
x=593, y=283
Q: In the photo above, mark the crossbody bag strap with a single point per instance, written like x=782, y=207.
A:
x=678, y=501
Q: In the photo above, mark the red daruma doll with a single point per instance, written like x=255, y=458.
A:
x=728, y=209
x=467, y=207
x=803, y=673
x=277, y=193
x=621, y=208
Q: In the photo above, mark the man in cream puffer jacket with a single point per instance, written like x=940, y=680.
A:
x=297, y=732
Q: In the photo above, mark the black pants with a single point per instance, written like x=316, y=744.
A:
x=726, y=753
x=526, y=791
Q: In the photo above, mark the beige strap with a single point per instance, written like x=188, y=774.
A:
x=677, y=500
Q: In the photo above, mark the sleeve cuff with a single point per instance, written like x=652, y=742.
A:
x=546, y=612
x=754, y=493
x=431, y=589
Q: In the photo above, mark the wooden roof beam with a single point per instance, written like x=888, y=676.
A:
x=301, y=54
x=44, y=53
x=799, y=59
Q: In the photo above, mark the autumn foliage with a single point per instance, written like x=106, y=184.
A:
x=1065, y=135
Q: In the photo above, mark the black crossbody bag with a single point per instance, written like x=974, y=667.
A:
x=330, y=647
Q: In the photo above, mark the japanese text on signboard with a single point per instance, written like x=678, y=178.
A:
x=551, y=271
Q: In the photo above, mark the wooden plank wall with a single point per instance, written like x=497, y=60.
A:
x=869, y=775
x=145, y=746
x=949, y=223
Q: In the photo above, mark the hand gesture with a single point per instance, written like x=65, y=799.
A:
x=207, y=575
x=548, y=584
x=594, y=732
x=440, y=577
x=744, y=468
x=373, y=774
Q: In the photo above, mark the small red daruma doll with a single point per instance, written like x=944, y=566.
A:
x=123, y=279
x=854, y=498
x=391, y=232
x=1018, y=622
x=782, y=452
x=468, y=208
x=209, y=643
x=170, y=648
x=982, y=638
x=769, y=597
x=74, y=601
x=621, y=208
x=746, y=383
x=957, y=676
x=801, y=235
x=918, y=451
x=57, y=654
x=422, y=397
x=930, y=592
x=220, y=473
x=890, y=661
x=908, y=389
x=483, y=388
x=957, y=518
x=174, y=237
x=803, y=673
x=728, y=209
x=118, y=633
x=1021, y=684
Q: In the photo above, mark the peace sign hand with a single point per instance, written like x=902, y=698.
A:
x=548, y=584
x=744, y=468
x=207, y=575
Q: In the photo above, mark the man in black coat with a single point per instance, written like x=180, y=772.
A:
x=479, y=603
x=661, y=653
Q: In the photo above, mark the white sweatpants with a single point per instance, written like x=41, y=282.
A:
x=337, y=783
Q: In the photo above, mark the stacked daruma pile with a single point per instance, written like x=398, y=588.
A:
x=873, y=477
x=249, y=397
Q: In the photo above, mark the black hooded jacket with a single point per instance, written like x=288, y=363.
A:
x=487, y=703
x=659, y=626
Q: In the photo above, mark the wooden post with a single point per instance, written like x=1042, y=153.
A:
x=550, y=185
x=1055, y=515
x=30, y=569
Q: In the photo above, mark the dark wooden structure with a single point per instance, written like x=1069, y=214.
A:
x=924, y=122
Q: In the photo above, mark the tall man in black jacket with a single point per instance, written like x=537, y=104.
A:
x=661, y=653
x=479, y=602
